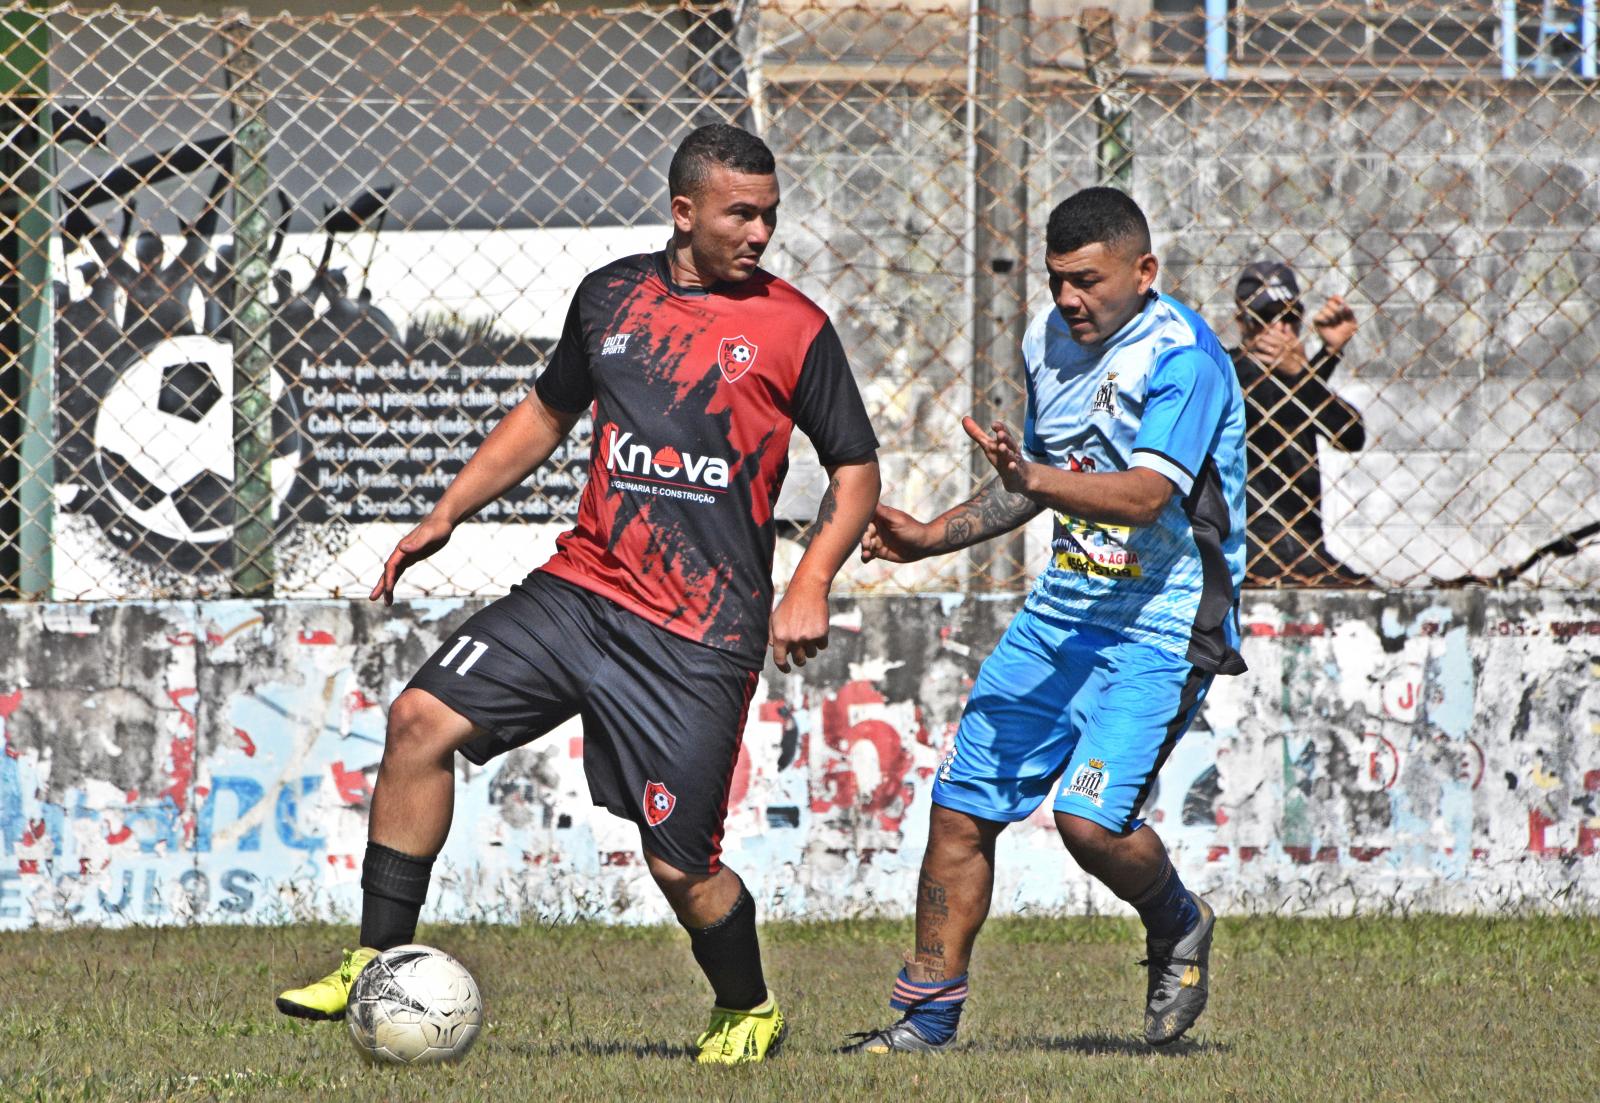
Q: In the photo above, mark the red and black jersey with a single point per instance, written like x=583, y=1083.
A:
x=694, y=394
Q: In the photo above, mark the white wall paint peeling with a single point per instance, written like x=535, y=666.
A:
x=166, y=763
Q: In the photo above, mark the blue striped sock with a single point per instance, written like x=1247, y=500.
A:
x=1166, y=907
x=934, y=1010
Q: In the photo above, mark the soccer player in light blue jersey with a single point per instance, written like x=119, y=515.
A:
x=1134, y=438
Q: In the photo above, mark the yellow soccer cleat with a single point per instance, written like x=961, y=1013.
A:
x=326, y=998
x=741, y=1037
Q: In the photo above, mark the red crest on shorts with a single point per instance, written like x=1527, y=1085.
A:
x=658, y=803
x=735, y=356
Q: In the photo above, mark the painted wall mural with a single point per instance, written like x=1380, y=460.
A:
x=213, y=761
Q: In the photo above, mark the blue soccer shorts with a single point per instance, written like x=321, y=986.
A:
x=1075, y=704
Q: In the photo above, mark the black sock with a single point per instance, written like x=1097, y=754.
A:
x=394, y=887
x=730, y=955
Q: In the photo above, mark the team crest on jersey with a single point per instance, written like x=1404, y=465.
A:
x=735, y=356
x=658, y=803
x=1105, y=395
x=1089, y=781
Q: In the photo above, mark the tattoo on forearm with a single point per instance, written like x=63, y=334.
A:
x=990, y=512
x=830, y=503
x=1002, y=511
x=957, y=533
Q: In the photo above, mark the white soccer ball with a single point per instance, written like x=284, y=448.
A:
x=740, y=353
x=414, y=1005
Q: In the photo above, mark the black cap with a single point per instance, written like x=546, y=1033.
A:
x=1267, y=289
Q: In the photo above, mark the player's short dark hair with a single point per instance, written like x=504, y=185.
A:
x=717, y=144
x=1103, y=215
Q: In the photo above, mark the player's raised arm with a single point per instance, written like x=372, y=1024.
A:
x=799, y=625
x=511, y=452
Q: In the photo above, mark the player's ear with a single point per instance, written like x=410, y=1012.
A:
x=683, y=213
x=1148, y=267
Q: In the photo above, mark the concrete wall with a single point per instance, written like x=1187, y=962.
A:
x=213, y=761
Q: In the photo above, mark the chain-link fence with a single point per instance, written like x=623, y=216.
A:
x=269, y=281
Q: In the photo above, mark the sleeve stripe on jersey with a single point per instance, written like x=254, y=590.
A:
x=1163, y=464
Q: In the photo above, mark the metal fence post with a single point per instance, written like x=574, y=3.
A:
x=1587, y=36
x=1114, y=144
x=252, y=566
x=1508, y=38
x=999, y=244
x=27, y=307
x=1217, y=39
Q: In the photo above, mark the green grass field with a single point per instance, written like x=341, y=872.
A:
x=1422, y=1008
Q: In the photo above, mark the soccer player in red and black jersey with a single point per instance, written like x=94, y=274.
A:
x=653, y=618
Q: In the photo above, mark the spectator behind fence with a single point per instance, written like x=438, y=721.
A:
x=1288, y=405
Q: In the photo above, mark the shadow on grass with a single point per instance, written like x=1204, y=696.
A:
x=670, y=1051
x=1105, y=1044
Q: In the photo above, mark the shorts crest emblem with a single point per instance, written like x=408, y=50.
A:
x=1089, y=782
x=658, y=803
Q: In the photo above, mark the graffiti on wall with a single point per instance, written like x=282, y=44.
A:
x=214, y=761
x=380, y=393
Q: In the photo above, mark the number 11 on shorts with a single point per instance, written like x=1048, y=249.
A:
x=478, y=648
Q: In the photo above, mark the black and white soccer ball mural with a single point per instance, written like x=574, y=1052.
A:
x=163, y=451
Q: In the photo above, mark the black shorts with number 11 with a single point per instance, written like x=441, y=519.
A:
x=663, y=716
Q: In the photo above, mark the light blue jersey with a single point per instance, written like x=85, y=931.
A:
x=1103, y=670
x=1162, y=394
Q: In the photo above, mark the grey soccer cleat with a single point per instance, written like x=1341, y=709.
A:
x=902, y=1037
x=1178, y=979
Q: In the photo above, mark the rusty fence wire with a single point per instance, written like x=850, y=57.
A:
x=268, y=281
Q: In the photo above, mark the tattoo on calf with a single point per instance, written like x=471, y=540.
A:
x=933, y=908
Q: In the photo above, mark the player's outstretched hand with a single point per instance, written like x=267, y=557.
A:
x=1002, y=451
x=895, y=536
x=413, y=547
x=799, y=625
